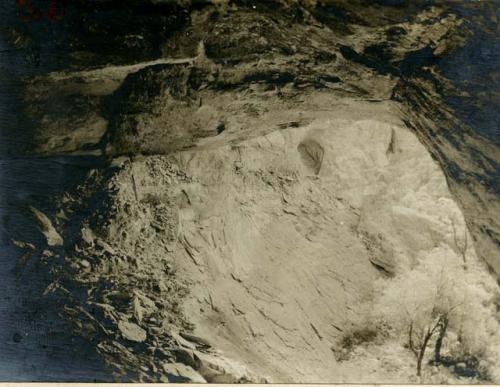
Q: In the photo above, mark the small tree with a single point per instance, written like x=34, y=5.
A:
x=443, y=326
x=423, y=304
x=437, y=301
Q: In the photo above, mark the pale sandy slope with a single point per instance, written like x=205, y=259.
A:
x=281, y=237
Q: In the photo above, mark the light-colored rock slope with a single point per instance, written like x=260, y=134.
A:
x=280, y=240
x=288, y=252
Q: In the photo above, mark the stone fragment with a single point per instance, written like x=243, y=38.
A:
x=88, y=236
x=200, y=341
x=46, y=227
x=137, y=309
x=132, y=332
x=23, y=245
x=182, y=342
x=180, y=370
x=84, y=263
x=184, y=356
x=106, y=247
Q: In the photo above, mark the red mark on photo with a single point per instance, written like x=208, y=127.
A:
x=33, y=10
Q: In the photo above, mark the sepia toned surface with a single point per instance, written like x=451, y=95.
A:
x=267, y=191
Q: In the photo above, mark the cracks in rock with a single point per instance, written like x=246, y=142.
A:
x=316, y=331
x=288, y=345
x=392, y=143
x=274, y=321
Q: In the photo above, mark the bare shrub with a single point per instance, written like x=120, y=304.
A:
x=353, y=338
x=425, y=304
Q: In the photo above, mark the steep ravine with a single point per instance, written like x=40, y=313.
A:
x=271, y=169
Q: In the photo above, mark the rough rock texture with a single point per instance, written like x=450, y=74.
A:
x=225, y=68
x=279, y=257
x=270, y=163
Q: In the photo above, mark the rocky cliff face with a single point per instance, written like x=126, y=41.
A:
x=271, y=166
